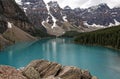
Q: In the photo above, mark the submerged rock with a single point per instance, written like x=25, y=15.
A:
x=42, y=69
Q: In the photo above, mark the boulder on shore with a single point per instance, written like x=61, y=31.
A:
x=7, y=72
x=42, y=69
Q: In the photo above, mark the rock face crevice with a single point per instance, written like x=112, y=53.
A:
x=42, y=69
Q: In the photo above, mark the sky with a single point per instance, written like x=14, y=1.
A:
x=84, y=3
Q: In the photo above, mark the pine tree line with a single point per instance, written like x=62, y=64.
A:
x=106, y=37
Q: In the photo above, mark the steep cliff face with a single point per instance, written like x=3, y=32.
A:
x=10, y=11
x=36, y=11
x=14, y=25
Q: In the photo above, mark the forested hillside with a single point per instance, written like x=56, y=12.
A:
x=109, y=37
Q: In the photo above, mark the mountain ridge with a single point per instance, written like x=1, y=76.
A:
x=82, y=14
x=50, y=14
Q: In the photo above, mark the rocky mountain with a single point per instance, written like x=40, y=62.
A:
x=50, y=17
x=101, y=15
x=53, y=19
x=14, y=25
x=42, y=69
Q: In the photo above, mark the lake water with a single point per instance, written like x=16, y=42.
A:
x=101, y=62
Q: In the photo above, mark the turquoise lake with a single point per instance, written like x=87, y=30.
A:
x=100, y=61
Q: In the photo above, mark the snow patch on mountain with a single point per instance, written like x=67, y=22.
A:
x=43, y=24
x=65, y=18
x=93, y=25
x=25, y=9
x=28, y=3
x=111, y=24
x=116, y=22
x=47, y=19
x=18, y=2
x=9, y=25
x=53, y=18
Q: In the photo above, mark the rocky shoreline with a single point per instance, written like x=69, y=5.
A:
x=42, y=69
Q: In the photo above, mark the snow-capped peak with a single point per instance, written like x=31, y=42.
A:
x=102, y=5
x=53, y=4
x=67, y=7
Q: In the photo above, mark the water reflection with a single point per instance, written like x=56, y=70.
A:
x=52, y=46
x=10, y=56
